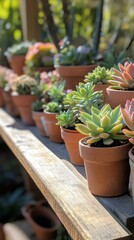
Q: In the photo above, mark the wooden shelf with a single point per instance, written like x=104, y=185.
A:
x=62, y=185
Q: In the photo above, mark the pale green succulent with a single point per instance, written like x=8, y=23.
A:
x=105, y=124
x=67, y=119
x=52, y=107
x=100, y=75
x=25, y=85
x=83, y=98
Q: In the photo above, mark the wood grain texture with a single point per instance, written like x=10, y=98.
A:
x=80, y=212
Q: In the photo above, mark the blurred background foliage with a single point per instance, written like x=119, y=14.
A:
x=75, y=17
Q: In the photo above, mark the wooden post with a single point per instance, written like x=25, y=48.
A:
x=29, y=17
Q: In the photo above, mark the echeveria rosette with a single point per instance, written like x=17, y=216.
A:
x=128, y=117
x=105, y=124
x=124, y=77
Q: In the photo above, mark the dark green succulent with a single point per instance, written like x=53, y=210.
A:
x=71, y=55
x=111, y=58
x=18, y=49
x=38, y=106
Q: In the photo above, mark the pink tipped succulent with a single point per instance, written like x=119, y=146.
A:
x=128, y=116
x=124, y=77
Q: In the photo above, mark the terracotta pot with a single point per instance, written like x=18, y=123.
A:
x=71, y=139
x=116, y=97
x=74, y=74
x=2, y=235
x=24, y=105
x=1, y=98
x=17, y=63
x=37, y=118
x=43, y=221
x=131, y=162
x=9, y=104
x=102, y=87
x=107, y=169
x=52, y=130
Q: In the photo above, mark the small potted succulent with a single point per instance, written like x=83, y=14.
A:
x=23, y=97
x=128, y=116
x=73, y=63
x=45, y=82
x=16, y=56
x=51, y=109
x=105, y=151
x=122, y=85
x=41, y=93
x=7, y=79
x=99, y=77
x=83, y=98
x=40, y=57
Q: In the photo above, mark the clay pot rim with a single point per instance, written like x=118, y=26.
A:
x=44, y=209
x=99, y=148
x=118, y=90
x=51, y=113
x=78, y=66
x=69, y=130
x=15, y=94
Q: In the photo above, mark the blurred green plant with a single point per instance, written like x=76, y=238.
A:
x=10, y=26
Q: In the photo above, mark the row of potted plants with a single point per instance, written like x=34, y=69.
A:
x=84, y=110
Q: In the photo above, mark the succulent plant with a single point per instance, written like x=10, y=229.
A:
x=68, y=119
x=71, y=55
x=57, y=92
x=128, y=117
x=100, y=75
x=124, y=77
x=25, y=85
x=83, y=98
x=52, y=107
x=111, y=58
x=18, y=48
x=105, y=124
x=41, y=90
x=3, y=72
x=40, y=54
x=37, y=106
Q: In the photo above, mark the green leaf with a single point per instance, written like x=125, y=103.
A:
x=105, y=122
x=82, y=129
x=106, y=108
x=96, y=118
x=104, y=135
x=116, y=129
x=95, y=110
x=91, y=125
x=93, y=140
x=85, y=117
x=116, y=114
x=108, y=141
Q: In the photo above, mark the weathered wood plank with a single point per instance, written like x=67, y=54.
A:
x=80, y=212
